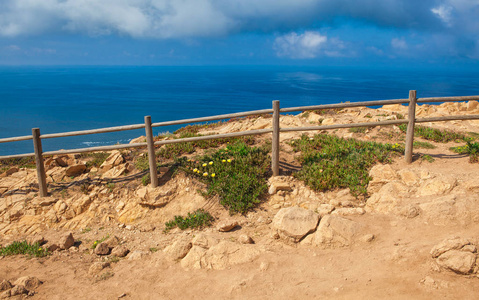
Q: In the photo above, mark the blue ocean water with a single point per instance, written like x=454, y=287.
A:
x=59, y=99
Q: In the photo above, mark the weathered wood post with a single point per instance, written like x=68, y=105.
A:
x=41, y=176
x=410, y=126
x=151, y=152
x=275, y=139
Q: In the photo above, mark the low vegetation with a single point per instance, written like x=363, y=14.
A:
x=471, y=149
x=198, y=219
x=97, y=242
x=237, y=174
x=25, y=162
x=423, y=145
x=96, y=158
x=433, y=134
x=24, y=247
x=330, y=162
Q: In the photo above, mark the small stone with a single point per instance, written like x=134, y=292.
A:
x=137, y=254
x=129, y=227
x=227, y=225
x=367, y=238
x=147, y=228
x=245, y=239
x=96, y=267
x=469, y=248
x=5, y=285
x=263, y=266
x=120, y=251
x=102, y=249
x=66, y=241
x=75, y=170
x=18, y=290
x=36, y=239
x=52, y=247
x=29, y=282
x=6, y=294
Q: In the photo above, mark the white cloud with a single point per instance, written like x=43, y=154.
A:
x=444, y=13
x=306, y=45
x=399, y=44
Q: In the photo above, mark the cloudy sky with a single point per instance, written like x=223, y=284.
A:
x=212, y=32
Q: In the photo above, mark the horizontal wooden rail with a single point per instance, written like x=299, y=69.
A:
x=92, y=131
x=17, y=139
x=216, y=136
x=346, y=105
x=448, y=118
x=447, y=99
x=17, y=156
x=213, y=118
x=339, y=126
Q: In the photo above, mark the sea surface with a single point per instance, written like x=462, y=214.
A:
x=59, y=99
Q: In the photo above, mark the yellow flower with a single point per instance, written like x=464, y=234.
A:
x=205, y=174
x=229, y=160
x=224, y=160
x=211, y=163
x=40, y=249
x=195, y=169
x=204, y=165
x=213, y=175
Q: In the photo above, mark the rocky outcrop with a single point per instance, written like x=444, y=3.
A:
x=456, y=254
x=332, y=232
x=295, y=222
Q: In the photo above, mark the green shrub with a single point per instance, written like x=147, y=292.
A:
x=428, y=158
x=433, y=134
x=24, y=248
x=97, y=158
x=236, y=174
x=424, y=145
x=24, y=162
x=146, y=179
x=330, y=162
x=197, y=219
x=142, y=163
x=97, y=242
x=471, y=149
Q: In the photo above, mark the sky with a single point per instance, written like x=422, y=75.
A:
x=240, y=32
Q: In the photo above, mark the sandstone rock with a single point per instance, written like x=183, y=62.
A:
x=437, y=186
x=75, y=170
x=112, y=241
x=51, y=247
x=6, y=294
x=388, y=198
x=116, y=171
x=333, y=231
x=97, y=267
x=120, y=251
x=408, y=177
x=458, y=261
x=203, y=241
x=367, y=238
x=472, y=105
x=5, y=285
x=295, y=222
x=36, y=239
x=278, y=183
x=137, y=254
x=410, y=211
x=146, y=227
x=226, y=225
x=102, y=249
x=349, y=211
x=179, y=248
x=115, y=159
x=381, y=174
x=454, y=243
x=10, y=171
x=140, y=139
x=66, y=241
x=469, y=248
x=245, y=239
x=195, y=259
x=325, y=209
x=226, y=254
x=29, y=282
x=18, y=290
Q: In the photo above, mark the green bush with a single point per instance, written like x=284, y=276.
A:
x=24, y=248
x=197, y=219
x=433, y=134
x=97, y=158
x=471, y=149
x=330, y=162
x=236, y=174
x=24, y=162
x=424, y=145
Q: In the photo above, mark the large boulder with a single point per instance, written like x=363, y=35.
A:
x=75, y=170
x=295, y=222
x=333, y=231
x=456, y=254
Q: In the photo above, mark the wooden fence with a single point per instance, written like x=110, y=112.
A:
x=275, y=130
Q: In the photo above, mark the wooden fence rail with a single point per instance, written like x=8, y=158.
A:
x=275, y=130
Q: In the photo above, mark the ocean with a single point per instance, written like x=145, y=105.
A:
x=70, y=98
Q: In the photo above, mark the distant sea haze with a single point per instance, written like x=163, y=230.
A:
x=60, y=99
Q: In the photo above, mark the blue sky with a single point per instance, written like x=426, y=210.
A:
x=228, y=32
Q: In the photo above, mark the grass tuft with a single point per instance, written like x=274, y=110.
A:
x=433, y=134
x=197, y=219
x=24, y=247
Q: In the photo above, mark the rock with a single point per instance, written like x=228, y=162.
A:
x=52, y=247
x=410, y=211
x=5, y=285
x=458, y=261
x=75, y=170
x=18, y=290
x=226, y=254
x=120, y=251
x=102, y=249
x=245, y=239
x=141, y=139
x=388, y=198
x=454, y=243
x=115, y=159
x=97, y=267
x=295, y=222
x=469, y=248
x=333, y=231
x=381, y=175
x=66, y=241
x=195, y=259
x=135, y=255
x=278, y=185
x=349, y=211
x=29, y=282
x=6, y=294
x=471, y=105
x=36, y=239
x=112, y=241
x=408, y=177
x=203, y=241
x=10, y=171
x=116, y=171
x=227, y=225
x=146, y=227
x=437, y=186
x=179, y=248
x=367, y=238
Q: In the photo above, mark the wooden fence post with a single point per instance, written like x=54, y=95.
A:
x=410, y=126
x=41, y=176
x=275, y=139
x=151, y=152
